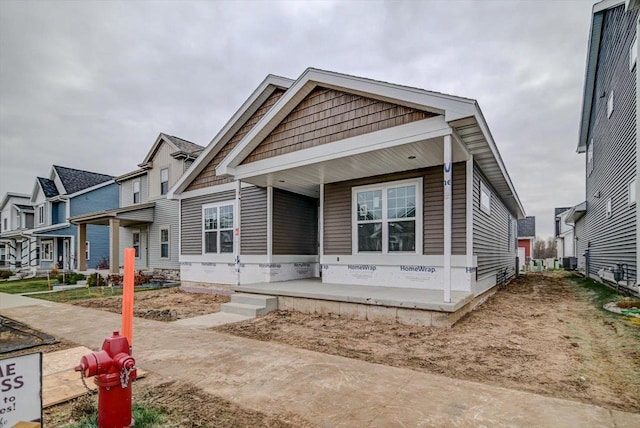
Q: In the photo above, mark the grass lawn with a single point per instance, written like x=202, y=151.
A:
x=25, y=285
x=85, y=293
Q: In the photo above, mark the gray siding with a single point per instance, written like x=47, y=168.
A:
x=126, y=191
x=166, y=216
x=253, y=236
x=338, y=207
x=295, y=224
x=612, y=240
x=253, y=220
x=491, y=243
x=191, y=219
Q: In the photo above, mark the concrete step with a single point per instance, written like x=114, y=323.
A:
x=269, y=302
x=243, y=309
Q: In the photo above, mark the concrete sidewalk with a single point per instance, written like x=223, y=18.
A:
x=324, y=389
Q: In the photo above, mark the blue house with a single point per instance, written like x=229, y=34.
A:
x=66, y=193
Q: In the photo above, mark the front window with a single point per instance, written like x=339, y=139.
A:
x=164, y=242
x=590, y=157
x=485, y=198
x=217, y=228
x=41, y=214
x=388, y=217
x=47, y=251
x=136, y=243
x=164, y=181
x=136, y=192
x=87, y=250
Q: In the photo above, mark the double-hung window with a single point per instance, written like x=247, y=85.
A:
x=217, y=228
x=41, y=214
x=164, y=181
x=388, y=218
x=136, y=243
x=164, y=242
x=485, y=198
x=136, y=192
x=590, y=157
x=47, y=250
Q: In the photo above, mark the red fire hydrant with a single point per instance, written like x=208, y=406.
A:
x=114, y=370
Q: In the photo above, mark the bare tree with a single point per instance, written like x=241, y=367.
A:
x=544, y=249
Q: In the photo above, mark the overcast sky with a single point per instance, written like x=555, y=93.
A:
x=91, y=84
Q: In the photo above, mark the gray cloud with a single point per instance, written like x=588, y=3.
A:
x=91, y=84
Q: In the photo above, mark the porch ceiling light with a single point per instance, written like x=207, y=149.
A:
x=411, y=157
x=280, y=181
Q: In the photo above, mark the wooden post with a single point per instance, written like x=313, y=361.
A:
x=127, y=293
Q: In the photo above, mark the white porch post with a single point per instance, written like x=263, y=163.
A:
x=637, y=150
x=114, y=245
x=447, y=218
x=321, y=227
x=236, y=229
x=269, y=224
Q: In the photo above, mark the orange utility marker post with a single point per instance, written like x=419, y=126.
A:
x=127, y=294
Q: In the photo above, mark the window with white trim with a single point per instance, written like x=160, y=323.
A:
x=485, y=198
x=87, y=250
x=135, y=236
x=136, y=192
x=590, y=157
x=388, y=217
x=47, y=251
x=633, y=54
x=609, y=209
x=631, y=192
x=217, y=228
x=41, y=214
x=164, y=242
x=5, y=226
x=164, y=181
x=610, y=104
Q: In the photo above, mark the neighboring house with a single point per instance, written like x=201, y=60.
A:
x=145, y=219
x=564, y=234
x=341, y=177
x=17, y=249
x=65, y=193
x=607, y=222
x=526, y=238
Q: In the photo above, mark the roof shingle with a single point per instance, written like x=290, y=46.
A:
x=75, y=180
x=527, y=227
x=184, y=145
x=48, y=187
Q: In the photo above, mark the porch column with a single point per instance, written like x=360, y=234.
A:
x=321, y=226
x=469, y=208
x=236, y=229
x=270, y=224
x=82, y=254
x=447, y=218
x=114, y=245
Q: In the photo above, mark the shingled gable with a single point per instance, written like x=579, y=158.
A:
x=202, y=172
x=179, y=145
x=76, y=180
x=48, y=187
x=448, y=114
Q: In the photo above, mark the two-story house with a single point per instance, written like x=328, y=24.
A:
x=145, y=219
x=65, y=193
x=17, y=248
x=606, y=224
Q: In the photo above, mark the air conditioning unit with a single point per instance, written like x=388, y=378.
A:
x=570, y=263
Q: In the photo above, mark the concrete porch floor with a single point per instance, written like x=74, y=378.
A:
x=409, y=298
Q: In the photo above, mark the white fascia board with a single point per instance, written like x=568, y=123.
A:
x=10, y=195
x=53, y=176
x=452, y=107
x=90, y=189
x=155, y=147
x=258, y=96
x=496, y=154
x=211, y=190
x=386, y=138
x=606, y=4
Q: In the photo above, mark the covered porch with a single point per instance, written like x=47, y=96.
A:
x=140, y=215
x=375, y=303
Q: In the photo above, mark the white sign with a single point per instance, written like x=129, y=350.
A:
x=21, y=390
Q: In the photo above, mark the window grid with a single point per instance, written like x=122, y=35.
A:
x=386, y=218
x=217, y=228
x=164, y=181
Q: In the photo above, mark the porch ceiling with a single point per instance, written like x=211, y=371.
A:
x=306, y=179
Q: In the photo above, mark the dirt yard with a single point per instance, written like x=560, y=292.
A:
x=168, y=304
x=540, y=334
